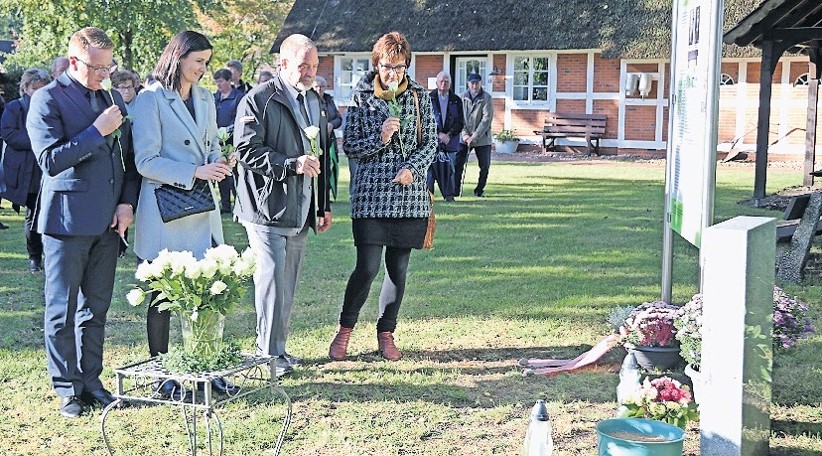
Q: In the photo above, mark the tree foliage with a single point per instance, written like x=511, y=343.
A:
x=140, y=29
x=244, y=30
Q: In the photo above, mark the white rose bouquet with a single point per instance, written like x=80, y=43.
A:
x=188, y=285
x=202, y=292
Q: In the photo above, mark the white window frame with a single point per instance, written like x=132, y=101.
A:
x=461, y=73
x=342, y=91
x=551, y=88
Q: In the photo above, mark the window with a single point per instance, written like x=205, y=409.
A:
x=466, y=66
x=726, y=80
x=801, y=80
x=351, y=70
x=531, y=78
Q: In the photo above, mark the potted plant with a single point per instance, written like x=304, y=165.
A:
x=506, y=142
x=648, y=333
x=202, y=293
x=790, y=325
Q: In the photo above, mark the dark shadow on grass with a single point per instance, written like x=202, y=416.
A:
x=484, y=387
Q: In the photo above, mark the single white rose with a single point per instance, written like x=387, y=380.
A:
x=217, y=287
x=311, y=131
x=163, y=259
x=156, y=270
x=249, y=255
x=144, y=272
x=393, y=86
x=193, y=270
x=208, y=268
x=221, y=253
x=222, y=134
x=136, y=297
x=106, y=84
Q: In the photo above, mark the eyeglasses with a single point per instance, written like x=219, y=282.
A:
x=98, y=69
x=122, y=87
x=396, y=69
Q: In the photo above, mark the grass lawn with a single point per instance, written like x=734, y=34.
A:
x=530, y=271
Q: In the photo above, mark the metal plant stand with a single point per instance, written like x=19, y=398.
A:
x=141, y=382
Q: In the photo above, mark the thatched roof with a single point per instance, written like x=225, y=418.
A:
x=795, y=22
x=621, y=28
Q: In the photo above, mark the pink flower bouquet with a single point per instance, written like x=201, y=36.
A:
x=662, y=399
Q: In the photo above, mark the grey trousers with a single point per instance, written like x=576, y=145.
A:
x=279, y=262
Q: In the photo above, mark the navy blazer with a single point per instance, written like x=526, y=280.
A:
x=22, y=174
x=453, y=120
x=83, y=175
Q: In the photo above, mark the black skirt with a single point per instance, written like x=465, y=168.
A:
x=403, y=233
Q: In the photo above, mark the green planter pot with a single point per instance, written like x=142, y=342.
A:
x=631, y=437
x=655, y=358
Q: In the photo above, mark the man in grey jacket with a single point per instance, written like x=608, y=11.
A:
x=282, y=189
x=476, y=134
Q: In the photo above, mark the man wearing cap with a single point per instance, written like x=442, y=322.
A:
x=476, y=133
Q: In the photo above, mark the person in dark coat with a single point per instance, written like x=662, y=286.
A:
x=282, y=189
x=390, y=204
x=22, y=175
x=448, y=114
x=334, y=122
x=2, y=179
x=86, y=203
x=226, y=100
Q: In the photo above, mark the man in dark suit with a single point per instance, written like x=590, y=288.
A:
x=86, y=202
x=448, y=114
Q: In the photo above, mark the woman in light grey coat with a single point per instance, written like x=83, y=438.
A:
x=175, y=141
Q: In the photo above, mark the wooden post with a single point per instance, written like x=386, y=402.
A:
x=763, y=124
x=810, y=124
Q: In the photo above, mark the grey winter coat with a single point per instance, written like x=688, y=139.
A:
x=374, y=195
x=478, y=117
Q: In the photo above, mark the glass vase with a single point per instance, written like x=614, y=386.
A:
x=202, y=337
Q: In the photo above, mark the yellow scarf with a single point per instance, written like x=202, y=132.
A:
x=386, y=94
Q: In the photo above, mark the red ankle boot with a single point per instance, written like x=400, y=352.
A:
x=339, y=345
x=387, y=348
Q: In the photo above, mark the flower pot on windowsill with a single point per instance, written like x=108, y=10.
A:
x=505, y=147
x=655, y=358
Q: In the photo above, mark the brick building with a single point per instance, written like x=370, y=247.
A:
x=561, y=56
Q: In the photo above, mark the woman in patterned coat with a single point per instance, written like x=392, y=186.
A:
x=394, y=136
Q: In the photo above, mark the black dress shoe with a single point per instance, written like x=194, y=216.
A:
x=35, y=265
x=171, y=389
x=99, y=397
x=295, y=361
x=223, y=386
x=71, y=407
x=3, y=227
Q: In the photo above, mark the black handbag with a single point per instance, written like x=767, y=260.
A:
x=175, y=203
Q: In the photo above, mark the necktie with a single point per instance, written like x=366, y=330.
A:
x=95, y=105
x=301, y=102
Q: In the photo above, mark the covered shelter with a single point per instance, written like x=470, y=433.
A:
x=777, y=27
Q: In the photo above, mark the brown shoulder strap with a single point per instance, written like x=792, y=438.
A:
x=419, y=118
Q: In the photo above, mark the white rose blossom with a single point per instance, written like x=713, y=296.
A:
x=136, y=297
x=217, y=287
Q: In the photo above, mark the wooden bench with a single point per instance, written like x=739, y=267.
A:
x=571, y=125
x=793, y=214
